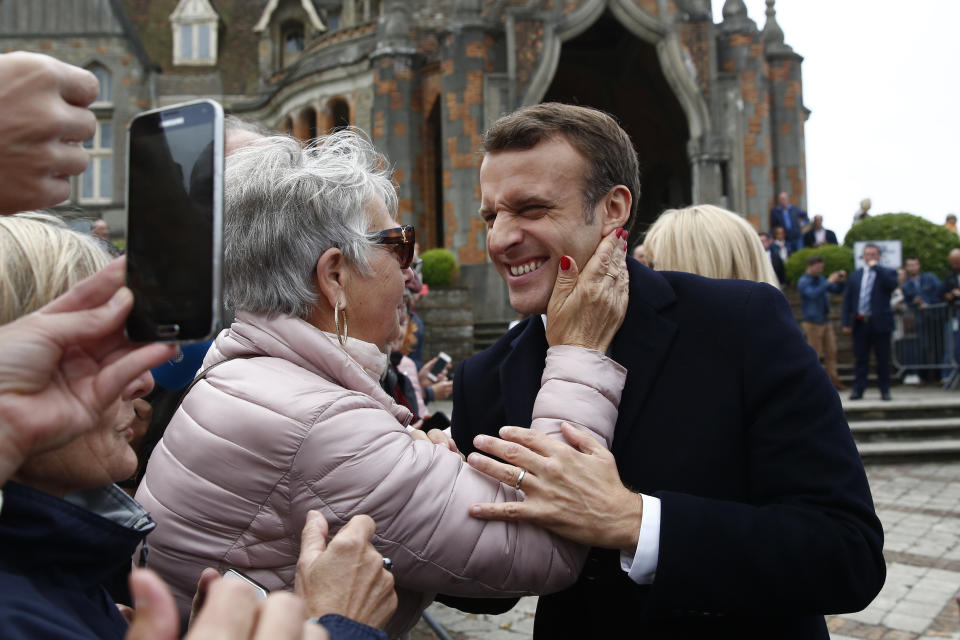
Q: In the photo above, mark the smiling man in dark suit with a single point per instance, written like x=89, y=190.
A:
x=734, y=503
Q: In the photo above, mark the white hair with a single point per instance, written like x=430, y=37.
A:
x=709, y=241
x=285, y=205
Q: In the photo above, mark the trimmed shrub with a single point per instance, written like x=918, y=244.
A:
x=440, y=267
x=928, y=241
x=834, y=259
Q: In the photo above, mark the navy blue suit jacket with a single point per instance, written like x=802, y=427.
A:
x=728, y=418
x=798, y=218
x=883, y=285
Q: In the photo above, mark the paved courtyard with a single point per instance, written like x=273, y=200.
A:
x=919, y=505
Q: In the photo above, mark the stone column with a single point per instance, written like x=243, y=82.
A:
x=396, y=113
x=741, y=60
x=787, y=113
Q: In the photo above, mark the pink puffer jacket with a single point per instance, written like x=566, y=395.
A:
x=260, y=441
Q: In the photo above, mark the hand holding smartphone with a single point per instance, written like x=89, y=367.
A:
x=442, y=361
x=175, y=222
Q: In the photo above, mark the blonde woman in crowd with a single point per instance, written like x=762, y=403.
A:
x=65, y=523
x=708, y=241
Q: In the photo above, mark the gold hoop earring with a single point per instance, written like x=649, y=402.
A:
x=341, y=336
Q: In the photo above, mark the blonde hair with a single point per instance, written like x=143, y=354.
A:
x=40, y=259
x=708, y=241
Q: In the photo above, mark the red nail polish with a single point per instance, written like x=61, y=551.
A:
x=622, y=233
x=564, y=263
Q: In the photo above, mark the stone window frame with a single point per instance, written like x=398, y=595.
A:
x=193, y=18
x=105, y=80
x=288, y=28
x=101, y=164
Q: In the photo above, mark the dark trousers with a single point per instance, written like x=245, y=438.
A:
x=865, y=337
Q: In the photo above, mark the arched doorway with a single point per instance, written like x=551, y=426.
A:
x=339, y=113
x=609, y=68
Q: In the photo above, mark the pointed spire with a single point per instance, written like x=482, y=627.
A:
x=734, y=9
x=735, y=18
x=772, y=33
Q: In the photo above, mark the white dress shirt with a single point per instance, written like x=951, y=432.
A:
x=642, y=567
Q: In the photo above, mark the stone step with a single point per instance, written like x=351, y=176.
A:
x=486, y=333
x=901, y=451
x=902, y=430
x=902, y=407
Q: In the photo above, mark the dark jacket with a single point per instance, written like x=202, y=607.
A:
x=814, y=301
x=767, y=522
x=55, y=555
x=777, y=262
x=796, y=215
x=951, y=282
x=809, y=239
x=883, y=285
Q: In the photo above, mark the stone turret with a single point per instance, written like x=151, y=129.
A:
x=735, y=18
x=772, y=33
x=787, y=113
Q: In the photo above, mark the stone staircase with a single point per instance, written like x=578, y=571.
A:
x=917, y=423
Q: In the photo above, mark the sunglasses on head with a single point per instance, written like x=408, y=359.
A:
x=401, y=240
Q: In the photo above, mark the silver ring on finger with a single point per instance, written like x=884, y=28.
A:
x=523, y=472
x=388, y=564
x=612, y=275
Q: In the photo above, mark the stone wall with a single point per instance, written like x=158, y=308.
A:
x=447, y=314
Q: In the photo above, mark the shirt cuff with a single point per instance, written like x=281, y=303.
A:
x=642, y=567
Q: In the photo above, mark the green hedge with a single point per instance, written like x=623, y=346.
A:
x=834, y=259
x=929, y=241
x=440, y=267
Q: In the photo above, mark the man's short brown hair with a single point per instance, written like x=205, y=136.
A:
x=814, y=260
x=593, y=133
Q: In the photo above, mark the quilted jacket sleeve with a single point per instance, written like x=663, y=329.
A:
x=358, y=460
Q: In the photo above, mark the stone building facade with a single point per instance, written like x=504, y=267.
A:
x=714, y=104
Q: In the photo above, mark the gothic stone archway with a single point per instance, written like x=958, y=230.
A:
x=609, y=68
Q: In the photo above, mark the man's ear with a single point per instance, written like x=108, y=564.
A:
x=330, y=274
x=615, y=208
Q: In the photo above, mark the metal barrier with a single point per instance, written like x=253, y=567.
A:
x=926, y=340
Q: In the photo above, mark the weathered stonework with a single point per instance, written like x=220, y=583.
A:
x=713, y=103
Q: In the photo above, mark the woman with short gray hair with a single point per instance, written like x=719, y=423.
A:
x=288, y=415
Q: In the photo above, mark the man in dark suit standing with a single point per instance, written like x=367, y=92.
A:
x=867, y=313
x=817, y=236
x=733, y=500
x=792, y=218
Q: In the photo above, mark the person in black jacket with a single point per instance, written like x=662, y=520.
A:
x=734, y=493
x=817, y=236
x=774, y=256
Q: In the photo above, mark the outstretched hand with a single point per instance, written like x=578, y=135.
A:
x=574, y=491
x=63, y=365
x=587, y=308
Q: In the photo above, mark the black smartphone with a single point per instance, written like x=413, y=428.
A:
x=442, y=361
x=175, y=222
